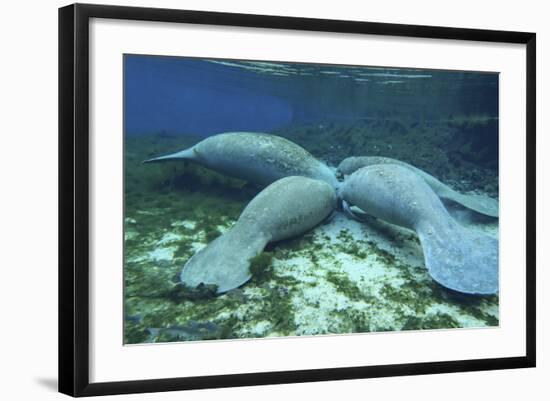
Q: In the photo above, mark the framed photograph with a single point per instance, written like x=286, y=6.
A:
x=250, y=199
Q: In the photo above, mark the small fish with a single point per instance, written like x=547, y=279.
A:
x=136, y=319
x=192, y=331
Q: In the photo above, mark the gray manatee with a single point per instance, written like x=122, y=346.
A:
x=479, y=203
x=286, y=208
x=456, y=257
x=255, y=157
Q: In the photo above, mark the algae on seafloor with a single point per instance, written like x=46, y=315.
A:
x=345, y=286
x=171, y=210
x=279, y=311
x=172, y=213
x=261, y=268
x=341, y=277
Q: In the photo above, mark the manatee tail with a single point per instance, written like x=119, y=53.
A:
x=224, y=264
x=461, y=259
x=187, y=154
x=478, y=203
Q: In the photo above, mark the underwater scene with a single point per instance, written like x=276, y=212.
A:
x=275, y=199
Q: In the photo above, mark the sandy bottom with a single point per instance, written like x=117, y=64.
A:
x=344, y=276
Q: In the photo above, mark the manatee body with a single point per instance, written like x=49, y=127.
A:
x=255, y=157
x=456, y=257
x=284, y=209
x=479, y=203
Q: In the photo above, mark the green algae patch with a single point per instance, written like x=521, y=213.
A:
x=261, y=268
x=439, y=321
x=135, y=333
x=344, y=285
x=350, y=245
x=279, y=311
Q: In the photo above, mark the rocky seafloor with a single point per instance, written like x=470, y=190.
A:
x=344, y=276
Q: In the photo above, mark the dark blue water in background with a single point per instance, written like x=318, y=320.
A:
x=205, y=97
x=181, y=95
x=445, y=122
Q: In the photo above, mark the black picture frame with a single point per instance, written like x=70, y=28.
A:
x=74, y=198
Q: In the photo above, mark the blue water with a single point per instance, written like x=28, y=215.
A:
x=444, y=122
x=205, y=97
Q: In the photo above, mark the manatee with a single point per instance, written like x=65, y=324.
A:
x=479, y=203
x=255, y=157
x=286, y=208
x=458, y=258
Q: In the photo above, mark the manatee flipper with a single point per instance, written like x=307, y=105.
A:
x=456, y=257
x=353, y=212
x=224, y=262
x=286, y=208
x=478, y=203
x=347, y=210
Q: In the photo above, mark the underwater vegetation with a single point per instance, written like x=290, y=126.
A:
x=341, y=277
x=459, y=149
